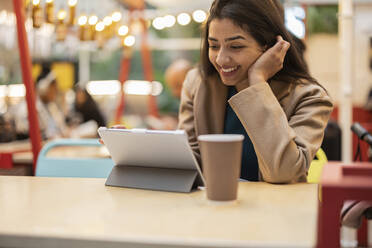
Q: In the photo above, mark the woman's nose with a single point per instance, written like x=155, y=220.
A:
x=222, y=57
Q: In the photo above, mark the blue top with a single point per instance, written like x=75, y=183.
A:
x=249, y=168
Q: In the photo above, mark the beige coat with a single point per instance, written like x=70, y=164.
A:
x=285, y=122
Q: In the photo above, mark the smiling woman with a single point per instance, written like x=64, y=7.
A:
x=252, y=81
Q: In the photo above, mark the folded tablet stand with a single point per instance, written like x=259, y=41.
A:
x=177, y=180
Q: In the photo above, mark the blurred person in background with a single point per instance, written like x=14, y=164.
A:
x=7, y=129
x=52, y=121
x=86, y=108
x=175, y=74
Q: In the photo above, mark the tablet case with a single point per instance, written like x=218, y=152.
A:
x=148, y=159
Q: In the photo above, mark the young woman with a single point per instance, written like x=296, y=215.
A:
x=252, y=81
x=51, y=118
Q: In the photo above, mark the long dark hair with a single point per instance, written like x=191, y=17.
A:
x=263, y=19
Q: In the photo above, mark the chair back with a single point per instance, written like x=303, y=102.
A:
x=72, y=167
x=316, y=167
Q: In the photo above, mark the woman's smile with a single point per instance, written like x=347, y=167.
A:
x=228, y=71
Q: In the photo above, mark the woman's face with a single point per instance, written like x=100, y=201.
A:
x=50, y=95
x=80, y=97
x=231, y=50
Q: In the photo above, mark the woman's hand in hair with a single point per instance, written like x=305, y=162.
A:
x=269, y=63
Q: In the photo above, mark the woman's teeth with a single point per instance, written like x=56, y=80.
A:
x=229, y=69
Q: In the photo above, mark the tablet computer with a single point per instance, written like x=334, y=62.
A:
x=151, y=159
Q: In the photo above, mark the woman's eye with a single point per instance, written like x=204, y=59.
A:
x=237, y=47
x=213, y=47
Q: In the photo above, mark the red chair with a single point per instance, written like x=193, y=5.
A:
x=340, y=182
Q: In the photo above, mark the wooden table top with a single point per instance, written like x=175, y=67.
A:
x=25, y=157
x=15, y=146
x=83, y=212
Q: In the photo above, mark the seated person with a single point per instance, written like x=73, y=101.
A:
x=86, y=107
x=174, y=76
x=7, y=130
x=252, y=81
x=51, y=119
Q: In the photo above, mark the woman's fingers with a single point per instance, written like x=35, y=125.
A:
x=278, y=45
x=286, y=45
x=281, y=46
x=279, y=50
x=119, y=127
x=270, y=62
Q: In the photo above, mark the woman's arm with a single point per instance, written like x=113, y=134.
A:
x=284, y=147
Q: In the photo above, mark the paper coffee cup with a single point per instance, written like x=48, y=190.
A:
x=221, y=161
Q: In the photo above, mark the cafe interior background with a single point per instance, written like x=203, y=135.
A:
x=88, y=42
